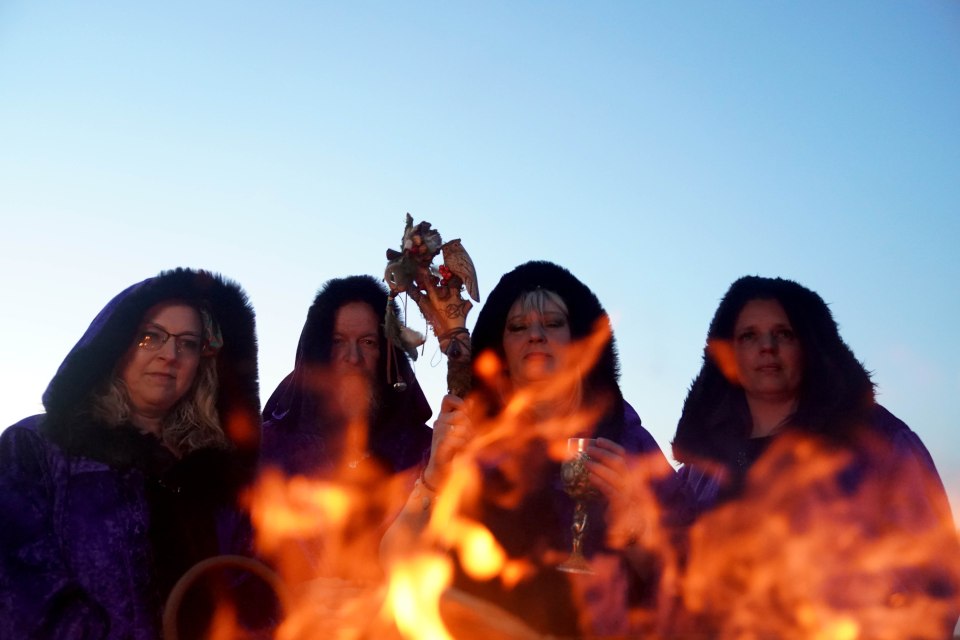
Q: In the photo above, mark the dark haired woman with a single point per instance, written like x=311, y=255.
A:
x=799, y=476
x=351, y=413
x=546, y=369
x=132, y=474
x=345, y=372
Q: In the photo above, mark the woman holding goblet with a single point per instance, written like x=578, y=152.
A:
x=546, y=370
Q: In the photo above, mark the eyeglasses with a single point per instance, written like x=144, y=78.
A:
x=188, y=344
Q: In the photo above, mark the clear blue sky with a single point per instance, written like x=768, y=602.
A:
x=657, y=149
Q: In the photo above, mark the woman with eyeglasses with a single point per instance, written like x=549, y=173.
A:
x=820, y=512
x=131, y=476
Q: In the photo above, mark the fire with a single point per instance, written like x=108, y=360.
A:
x=297, y=506
x=821, y=548
x=482, y=557
x=224, y=623
x=416, y=585
x=812, y=551
x=486, y=365
x=333, y=524
x=722, y=353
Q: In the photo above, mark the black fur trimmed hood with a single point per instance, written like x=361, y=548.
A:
x=836, y=394
x=585, y=312
x=398, y=428
x=94, y=358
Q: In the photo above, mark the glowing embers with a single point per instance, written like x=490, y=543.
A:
x=824, y=544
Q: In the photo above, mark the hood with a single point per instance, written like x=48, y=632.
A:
x=836, y=396
x=294, y=407
x=95, y=356
x=585, y=312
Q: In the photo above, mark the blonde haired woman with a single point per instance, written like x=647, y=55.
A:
x=130, y=477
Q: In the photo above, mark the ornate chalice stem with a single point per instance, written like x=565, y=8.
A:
x=579, y=527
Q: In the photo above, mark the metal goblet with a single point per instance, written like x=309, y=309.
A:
x=576, y=483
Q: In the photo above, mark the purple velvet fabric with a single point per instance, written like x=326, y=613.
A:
x=78, y=552
x=98, y=522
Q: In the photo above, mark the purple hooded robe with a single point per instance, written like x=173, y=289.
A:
x=99, y=522
x=303, y=436
x=299, y=433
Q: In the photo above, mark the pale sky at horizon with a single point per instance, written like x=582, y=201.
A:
x=658, y=150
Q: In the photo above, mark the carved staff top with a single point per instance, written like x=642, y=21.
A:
x=437, y=292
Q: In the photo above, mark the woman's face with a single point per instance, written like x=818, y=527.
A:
x=535, y=344
x=356, y=340
x=768, y=354
x=354, y=355
x=160, y=366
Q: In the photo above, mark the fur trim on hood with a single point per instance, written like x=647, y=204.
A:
x=836, y=394
x=294, y=407
x=585, y=311
x=95, y=357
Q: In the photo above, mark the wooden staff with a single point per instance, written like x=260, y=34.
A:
x=437, y=292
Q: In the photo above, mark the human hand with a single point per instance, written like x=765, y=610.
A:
x=610, y=474
x=452, y=430
x=607, y=464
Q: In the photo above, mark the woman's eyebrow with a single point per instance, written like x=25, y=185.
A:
x=160, y=326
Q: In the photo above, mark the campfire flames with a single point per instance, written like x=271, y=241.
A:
x=803, y=555
x=821, y=548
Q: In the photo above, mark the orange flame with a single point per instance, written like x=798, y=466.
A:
x=722, y=353
x=321, y=534
x=416, y=584
x=530, y=417
x=810, y=552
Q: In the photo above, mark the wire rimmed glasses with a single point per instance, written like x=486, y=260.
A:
x=188, y=343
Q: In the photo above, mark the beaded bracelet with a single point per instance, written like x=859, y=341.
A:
x=423, y=480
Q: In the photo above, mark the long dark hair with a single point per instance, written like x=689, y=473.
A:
x=316, y=344
x=296, y=400
x=600, y=383
x=836, y=392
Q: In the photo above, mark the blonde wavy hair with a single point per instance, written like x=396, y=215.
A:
x=194, y=422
